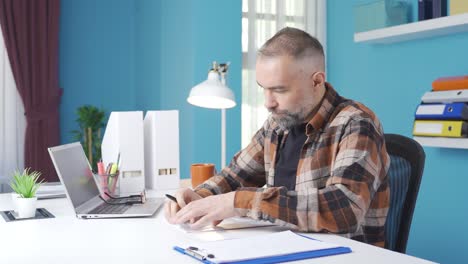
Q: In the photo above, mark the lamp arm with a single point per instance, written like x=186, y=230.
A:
x=223, y=138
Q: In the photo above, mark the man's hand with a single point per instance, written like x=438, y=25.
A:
x=209, y=210
x=184, y=196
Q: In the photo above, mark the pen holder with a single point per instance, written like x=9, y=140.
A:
x=110, y=183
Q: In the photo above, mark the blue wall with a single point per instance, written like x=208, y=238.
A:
x=96, y=58
x=125, y=55
x=391, y=79
x=194, y=33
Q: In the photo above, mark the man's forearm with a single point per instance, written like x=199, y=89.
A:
x=230, y=179
x=308, y=210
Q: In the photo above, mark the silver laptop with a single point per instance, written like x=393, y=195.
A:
x=74, y=172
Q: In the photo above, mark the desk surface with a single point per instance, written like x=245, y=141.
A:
x=67, y=239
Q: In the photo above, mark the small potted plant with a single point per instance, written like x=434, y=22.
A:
x=25, y=185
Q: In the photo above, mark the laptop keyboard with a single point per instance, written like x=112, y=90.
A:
x=110, y=209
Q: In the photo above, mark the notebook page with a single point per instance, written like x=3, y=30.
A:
x=269, y=245
x=228, y=224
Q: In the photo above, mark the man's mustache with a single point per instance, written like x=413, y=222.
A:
x=278, y=112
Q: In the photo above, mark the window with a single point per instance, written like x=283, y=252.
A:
x=261, y=19
x=12, y=121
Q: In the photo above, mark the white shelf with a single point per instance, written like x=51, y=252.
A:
x=421, y=29
x=442, y=142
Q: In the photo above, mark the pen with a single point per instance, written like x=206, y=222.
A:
x=100, y=166
x=109, y=167
x=171, y=197
x=118, y=160
x=113, y=169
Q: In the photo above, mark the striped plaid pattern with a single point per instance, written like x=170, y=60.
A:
x=341, y=181
x=399, y=175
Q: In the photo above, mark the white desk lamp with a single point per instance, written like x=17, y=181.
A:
x=213, y=93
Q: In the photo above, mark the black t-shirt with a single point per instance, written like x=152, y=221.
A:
x=288, y=157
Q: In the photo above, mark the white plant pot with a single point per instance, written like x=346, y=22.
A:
x=14, y=196
x=26, y=207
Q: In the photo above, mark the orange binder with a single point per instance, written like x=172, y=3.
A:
x=450, y=83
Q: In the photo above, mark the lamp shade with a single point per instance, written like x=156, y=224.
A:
x=212, y=93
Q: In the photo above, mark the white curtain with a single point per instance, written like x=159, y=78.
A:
x=261, y=19
x=12, y=121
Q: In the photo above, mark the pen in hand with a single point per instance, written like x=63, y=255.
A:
x=171, y=197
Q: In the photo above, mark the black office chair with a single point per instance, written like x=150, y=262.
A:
x=406, y=168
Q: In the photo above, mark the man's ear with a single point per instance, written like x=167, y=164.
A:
x=318, y=78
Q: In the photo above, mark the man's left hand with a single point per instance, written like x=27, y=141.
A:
x=209, y=210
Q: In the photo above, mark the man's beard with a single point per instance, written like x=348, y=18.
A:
x=286, y=119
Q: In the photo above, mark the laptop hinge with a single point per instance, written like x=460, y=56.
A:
x=89, y=205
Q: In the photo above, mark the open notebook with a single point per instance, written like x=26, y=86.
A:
x=266, y=248
x=228, y=224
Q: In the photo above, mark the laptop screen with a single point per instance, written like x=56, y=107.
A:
x=75, y=173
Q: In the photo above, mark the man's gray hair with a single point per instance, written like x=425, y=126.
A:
x=292, y=42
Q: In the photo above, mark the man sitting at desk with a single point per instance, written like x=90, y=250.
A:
x=322, y=157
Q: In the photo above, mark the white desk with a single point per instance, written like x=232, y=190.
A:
x=67, y=240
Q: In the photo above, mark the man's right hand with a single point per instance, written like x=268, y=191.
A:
x=184, y=196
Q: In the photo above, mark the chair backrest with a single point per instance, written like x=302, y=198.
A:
x=406, y=168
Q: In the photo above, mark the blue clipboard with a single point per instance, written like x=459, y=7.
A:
x=271, y=259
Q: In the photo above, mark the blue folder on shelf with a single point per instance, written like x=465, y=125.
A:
x=450, y=111
x=270, y=248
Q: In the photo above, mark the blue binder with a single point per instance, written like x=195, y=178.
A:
x=451, y=111
x=291, y=256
